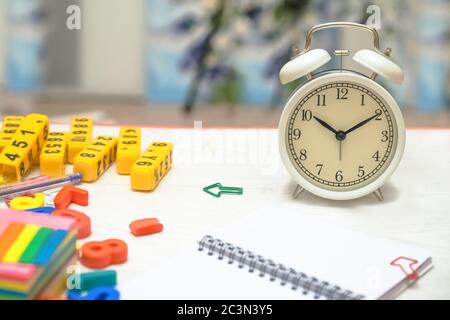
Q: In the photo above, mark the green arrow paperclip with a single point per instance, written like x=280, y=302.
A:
x=216, y=190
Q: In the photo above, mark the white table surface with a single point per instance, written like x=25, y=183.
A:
x=416, y=208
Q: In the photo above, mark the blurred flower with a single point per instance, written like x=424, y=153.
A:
x=223, y=41
x=216, y=72
x=193, y=54
x=185, y=24
x=240, y=27
x=254, y=13
x=276, y=62
x=210, y=5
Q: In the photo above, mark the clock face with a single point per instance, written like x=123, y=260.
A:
x=341, y=135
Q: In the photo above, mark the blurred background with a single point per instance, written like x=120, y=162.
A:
x=170, y=62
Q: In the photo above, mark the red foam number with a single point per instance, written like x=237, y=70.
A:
x=70, y=194
x=101, y=254
x=145, y=227
x=83, y=221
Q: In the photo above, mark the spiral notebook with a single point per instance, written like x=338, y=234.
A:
x=285, y=255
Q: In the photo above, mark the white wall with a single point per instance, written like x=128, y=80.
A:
x=112, y=46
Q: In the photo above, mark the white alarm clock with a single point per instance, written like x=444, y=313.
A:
x=341, y=134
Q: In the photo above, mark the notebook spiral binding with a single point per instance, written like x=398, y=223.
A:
x=276, y=271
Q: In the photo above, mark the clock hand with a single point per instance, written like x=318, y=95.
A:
x=360, y=124
x=326, y=125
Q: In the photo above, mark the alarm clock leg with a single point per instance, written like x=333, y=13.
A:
x=298, y=190
x=377, y=193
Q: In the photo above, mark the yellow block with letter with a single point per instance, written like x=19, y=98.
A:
x=96, y=158
x=9, y=128
x=17, y=157
x=54, y=155
x=79, y=137
x=128, y=149
x=152, y=165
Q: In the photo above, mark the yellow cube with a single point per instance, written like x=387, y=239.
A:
x=9, y=127
x=165, y=149
x=128, y=149
x=53, y=155
x=79, y=137
x=96, y=158
x=152, y=165
x=17, y=157
x=42, y=133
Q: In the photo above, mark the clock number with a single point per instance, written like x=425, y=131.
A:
x=361, y=171
x=362, y=99
x=342, y=93
x=306, y=115
x=319, y=166
x=339, y=176
x=378, y=112
x=320, y=100
x=303, y=154
x=376, y=156
x=384, y=137
x=297, y=134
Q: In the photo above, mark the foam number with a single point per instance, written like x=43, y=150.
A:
x=44, y=210
x=9, y=128
x=99, y=293
x=95, y=279
x=152, y=165
x=71, y=194
x=53, y=155
x=25, y=202
x=17, y=157
x=79, y=137
x=128, y=149
x=102, y=254
x=83, y=221
x=96, y=158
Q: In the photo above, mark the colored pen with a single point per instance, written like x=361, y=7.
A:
x=39, y=185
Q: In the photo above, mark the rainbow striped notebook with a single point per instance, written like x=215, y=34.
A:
x=33, y=249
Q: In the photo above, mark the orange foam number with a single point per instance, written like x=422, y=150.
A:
x=83, y=221
x=145, y=227
x=70, y=194
x=101, y=254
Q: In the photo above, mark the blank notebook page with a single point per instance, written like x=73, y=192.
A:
x=327, y=252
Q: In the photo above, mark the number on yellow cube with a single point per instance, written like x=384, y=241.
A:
x=128, y=149
x=17, y=157
x=165, y=148
x=152, y=165
x=96, y=158
x=42, y=134
x=53, y=155
x=79, y=137
x=9, y=128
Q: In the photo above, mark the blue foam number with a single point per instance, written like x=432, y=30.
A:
x=46, y=210
x=99, y=293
